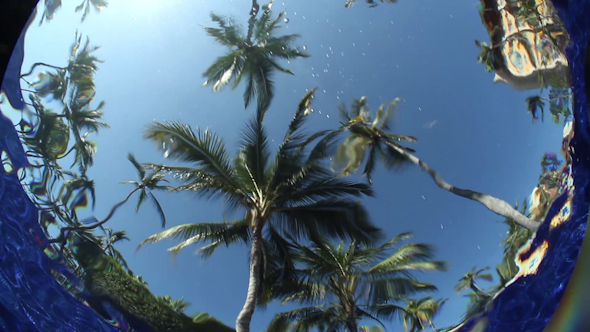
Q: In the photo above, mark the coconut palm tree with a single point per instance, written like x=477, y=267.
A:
x=505, y=274
x=419, y=313
x=372, y=3
x=108, y=283
x=111, y=237
x=51, y=7
x=253, y=57
x=292, y=193
x=533, y=105
x=73, y=86
x=559, y=103
x=477, y=304
x=86, y=4
x=371, y=136
x=516, y=236
x=346, y=284
x=468, y=281
x=486, y=56
x=148, y=182
x=179, y=305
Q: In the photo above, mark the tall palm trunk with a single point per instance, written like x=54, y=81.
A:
x=351, y=320
x=352, y=326
x=478, y=289
x=492, y=203
x=245, y=315
x=432, y=325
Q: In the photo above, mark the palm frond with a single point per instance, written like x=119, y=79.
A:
x=159, y=209
x=205, y=149
x=194, y=233
x=311, y=220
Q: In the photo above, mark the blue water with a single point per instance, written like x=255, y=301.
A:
x=32, y=300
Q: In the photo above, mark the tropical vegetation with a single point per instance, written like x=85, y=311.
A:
x=289, y=207
x=51, y=6
x=60, y=191
x=345, y=284
x=419, y=313
x=368, y=135
x=290, y=194
x=252, y=56
x=371, y=3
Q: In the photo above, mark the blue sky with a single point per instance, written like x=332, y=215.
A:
x=476, y=134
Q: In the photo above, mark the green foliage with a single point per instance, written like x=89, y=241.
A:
x=419, y=313
x=251, y=58
x=292, y=193
x=148, y=181
x=52, y=6
x=86, y=4
x=177, y=305
x=369, y=136
x=467, y=281
x=290, y=196
x=345, y=284
x=533, y=105
x=106, y=280
x=486, y=56
x=479, y=299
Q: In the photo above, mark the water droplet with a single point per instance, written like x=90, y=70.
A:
x=304, y=47
x=286, y=20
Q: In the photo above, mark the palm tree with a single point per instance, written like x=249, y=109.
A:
x=291, y=193
x=476, y=304
x=107, y=282
x=468, y=281
x=381, y=145
x=505, y=274
x=344, y=285
x=486, y=56
x=418, y=313
x=516, y=236
x=372, y=3
x=50, y=8
x=74, y=87
x=148, y=182
x=252, y=56
x=179, y=305
x=86, y=4
x=559, y=103
x=111, y=237
x=533, y=105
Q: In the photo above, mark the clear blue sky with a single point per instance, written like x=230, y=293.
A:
x=476, y=134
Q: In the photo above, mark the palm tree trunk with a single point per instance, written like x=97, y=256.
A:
x=478, y=289
x=351, y=323
x=492, y=203
x=432, y=325
x=245, y=315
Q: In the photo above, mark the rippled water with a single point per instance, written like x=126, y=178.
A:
x=111, y=93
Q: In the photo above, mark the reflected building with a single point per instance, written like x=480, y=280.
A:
x=524, y=43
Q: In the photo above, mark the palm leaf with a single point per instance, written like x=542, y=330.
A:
x=204, y=149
